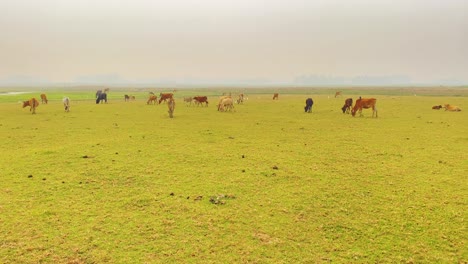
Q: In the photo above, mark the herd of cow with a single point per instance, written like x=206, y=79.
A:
x=226, y=102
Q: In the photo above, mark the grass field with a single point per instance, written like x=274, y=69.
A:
x=123, y=183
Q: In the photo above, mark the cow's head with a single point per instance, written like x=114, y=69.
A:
x=343, y=108
x=353, y=112
x=25, y=103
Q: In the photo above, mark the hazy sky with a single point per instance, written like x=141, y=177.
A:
x=279, y=40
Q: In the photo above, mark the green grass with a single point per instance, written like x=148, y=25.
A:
x=124, y=183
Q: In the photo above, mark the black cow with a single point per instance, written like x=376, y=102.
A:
x=308, y=107
x=347, y=105
x=101, y=96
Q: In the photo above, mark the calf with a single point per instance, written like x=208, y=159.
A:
x=347, y=105
x=437, y=107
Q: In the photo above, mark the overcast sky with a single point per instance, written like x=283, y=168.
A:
x=277, y=40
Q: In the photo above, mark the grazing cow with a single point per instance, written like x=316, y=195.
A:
x=338, y=94
x=308, y=107
x=152, y=99
x=171, y=107
x=226, y=104
x=199, y=100
x=101, y=96
x=188, y=100
x=240, y=100
x=132, y=97
x=44, y=99
x=452, y=108
x=275, y=96
x=126, y=98
x=364, y=103
x=437, y=107
x=347, y=105
x=66, y=104
x=32, y=103
x=165, y=96
x=106, y=90
x=220, y=100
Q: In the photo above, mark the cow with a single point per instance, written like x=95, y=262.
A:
x=347, y=105
x=152, y=99
x=308, y=107
x=188, y=100
x=126, y=98
x=226, y=104
x=338, y=94
x=452, y=108
x=220, y=100
x=66, y=104
x=275, y=96
x=165, y=96
x=171, y=107
x=44, y=98
x=101, y=96
x=32, y=103
x=132, y=97
x=364, y=103
x=437, y=107
x=240, y=100
x=106, y=90
x=199, y=100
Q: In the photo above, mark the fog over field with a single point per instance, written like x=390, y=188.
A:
x=243, y=42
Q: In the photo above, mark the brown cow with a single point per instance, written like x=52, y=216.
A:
x=171, y=106
x=275, y=96
x=199, y=100
x=338, y=94
x=364, y=103
x=452, y=108
x=44, y=98
x=126, y=98
x=165, y=96
x=347, y=105
x=32, y=103
x=152, y=99
x=437, y=107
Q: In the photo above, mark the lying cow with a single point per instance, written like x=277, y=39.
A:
x=308, y=107
x=452, y=108
x=364, y=103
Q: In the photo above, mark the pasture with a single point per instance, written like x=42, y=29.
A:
x=124, y=183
